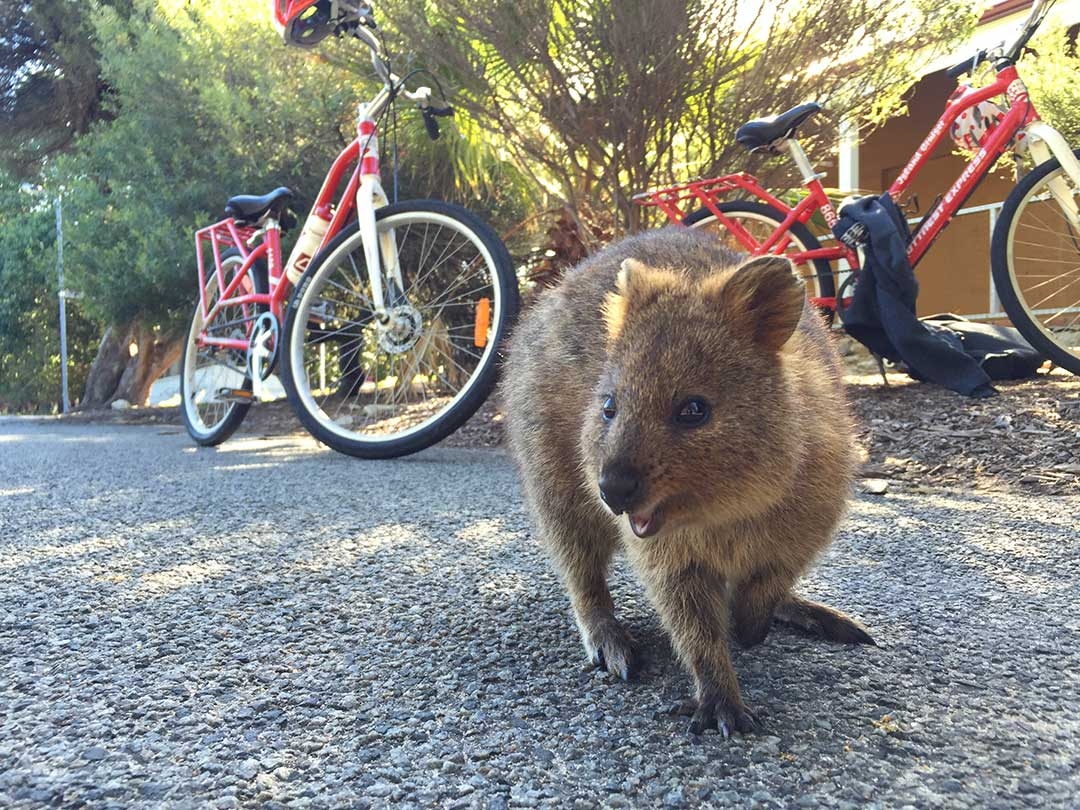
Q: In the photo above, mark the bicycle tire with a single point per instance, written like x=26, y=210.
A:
x=824, y=285
x=1010, y=280
x=234, y=412
x=332, y=429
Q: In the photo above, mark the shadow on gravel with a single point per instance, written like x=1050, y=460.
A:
x=276, y=623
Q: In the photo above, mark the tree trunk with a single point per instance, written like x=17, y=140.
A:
x=157, y=351
x=108, y=367
x=116, y=374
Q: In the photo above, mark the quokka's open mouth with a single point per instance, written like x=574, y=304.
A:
x=645, y=524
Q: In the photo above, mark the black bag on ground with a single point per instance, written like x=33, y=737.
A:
x=1000, y=350
x=882, y=317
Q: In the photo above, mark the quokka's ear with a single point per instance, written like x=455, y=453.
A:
x=636, y=285
x=763, y=297
x=631, y=272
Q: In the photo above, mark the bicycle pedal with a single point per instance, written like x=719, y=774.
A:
x=235, y=395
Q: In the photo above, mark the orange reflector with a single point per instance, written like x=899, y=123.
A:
x=483, y=321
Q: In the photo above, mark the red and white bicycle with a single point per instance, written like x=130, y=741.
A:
x=394, y=311
x=1035, y=250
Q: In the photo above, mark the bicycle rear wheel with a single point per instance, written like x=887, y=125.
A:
x=1035, y=257
x=760, y=220
x=376, y=390
x=206, y=371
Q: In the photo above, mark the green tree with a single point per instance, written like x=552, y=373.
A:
x=50, y=86
x=29, y=319
x=1051, y=70
x=204, y=103
x=596, y=100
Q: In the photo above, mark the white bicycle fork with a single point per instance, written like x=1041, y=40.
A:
x=380, y=251
x=1045, y=143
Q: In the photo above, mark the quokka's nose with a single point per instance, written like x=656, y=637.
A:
x=620, y=487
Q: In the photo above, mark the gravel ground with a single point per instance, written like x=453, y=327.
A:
x=914, y=435
x=273, y=624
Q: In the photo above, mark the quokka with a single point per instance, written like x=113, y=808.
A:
x=682, y=403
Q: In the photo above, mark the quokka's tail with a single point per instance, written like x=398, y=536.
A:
x=821, y=621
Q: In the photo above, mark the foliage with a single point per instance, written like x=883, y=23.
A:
x=204, y=104
x=164, y=108
x=29, y=320
x=597, y=99
x=50, y=89
x=1050, y=71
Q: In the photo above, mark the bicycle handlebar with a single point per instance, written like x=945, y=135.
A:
x=1039, y=10
x=967, y=66
x=363, y=29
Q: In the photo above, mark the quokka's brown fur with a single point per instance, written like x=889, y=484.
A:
x=732, y=510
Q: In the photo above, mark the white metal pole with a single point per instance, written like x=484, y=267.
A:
x=848, y=169
x=66, y=401
x=995, y=302
x=847, y=176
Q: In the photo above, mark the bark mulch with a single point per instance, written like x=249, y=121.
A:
x=1027, y=439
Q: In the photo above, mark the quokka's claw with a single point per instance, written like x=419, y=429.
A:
x=613, y=650
x=718, y=717
x=860, y=636
x=684, y=708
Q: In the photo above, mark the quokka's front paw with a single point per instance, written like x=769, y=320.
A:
x=716, y=715
x=611, y=647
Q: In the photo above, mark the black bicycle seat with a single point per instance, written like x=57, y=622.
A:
x=248, y=208
x=764, y=131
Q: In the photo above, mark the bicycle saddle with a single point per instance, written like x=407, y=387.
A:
x=247, y=208
x=764, y=131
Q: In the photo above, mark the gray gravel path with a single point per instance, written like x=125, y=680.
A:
x=272, y=624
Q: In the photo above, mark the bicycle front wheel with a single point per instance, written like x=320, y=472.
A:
x=1035, y=256
x=376, y=389
x=760, y=221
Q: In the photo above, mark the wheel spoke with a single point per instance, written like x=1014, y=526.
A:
x=1041, y=265
x=404, y=375
x=207, y=369
x=760, y=227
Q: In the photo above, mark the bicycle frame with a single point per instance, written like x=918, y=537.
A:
x=1020, y=114
x=1021, y=117
x=363, y=193
x=704, y=193
x=362, y=196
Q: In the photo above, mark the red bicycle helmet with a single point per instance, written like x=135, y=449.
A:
x=306, y=22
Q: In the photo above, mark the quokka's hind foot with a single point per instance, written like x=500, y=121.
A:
x=821, y=621
x=611, y=647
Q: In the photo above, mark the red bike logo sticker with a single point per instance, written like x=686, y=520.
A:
x=1016, y=91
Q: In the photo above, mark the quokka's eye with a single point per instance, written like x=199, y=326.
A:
x=692, y=412
x=607, y=410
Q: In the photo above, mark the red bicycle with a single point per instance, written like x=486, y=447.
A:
x=388, y=343
x=1035, y=249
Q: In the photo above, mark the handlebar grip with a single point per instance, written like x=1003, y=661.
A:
x=431, y=125
x=956, y=71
